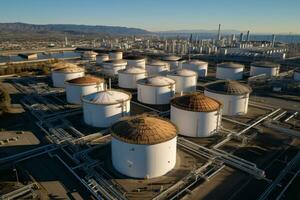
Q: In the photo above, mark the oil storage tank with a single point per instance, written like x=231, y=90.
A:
x=229, y=70
x=116, y=54
x=185, y=80
x=60, y=75
x=102, y=109
x=196, y=115
x=112, y=67
x=264, y=67
x=89, y=55
x=78, y=87
x=102, y=57
x=143, y=146
x=155, y=90
x=196, y=65
x=233, y=95
x=128, y=77
x=172, y=60
x=136, y=61
x=156, y=67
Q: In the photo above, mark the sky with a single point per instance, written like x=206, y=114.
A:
x=258, y=16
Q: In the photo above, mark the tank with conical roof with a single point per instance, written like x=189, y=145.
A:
x=185, y=80
x=89, y=55
x=127, y=78
x=196, y=115
x=196, y=65
x=102, y=109
x=233, y=95
x=229, y=70
x=155, y=90
x=172, y=60
x=116, y=54
x=143, y=146
x=155, y=67
x=101, y=57
x=135, y=61
x=78, y=87
x=112, y=67
x=65, y=71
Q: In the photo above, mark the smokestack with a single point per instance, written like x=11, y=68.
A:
x=273, y=40
x=219, y=32
x=248, y=36
x=241, y=37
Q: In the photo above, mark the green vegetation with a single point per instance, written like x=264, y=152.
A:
x=4, y=99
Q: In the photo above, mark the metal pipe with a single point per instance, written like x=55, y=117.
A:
x=290, y=117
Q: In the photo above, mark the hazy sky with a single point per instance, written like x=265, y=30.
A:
x=270, y=16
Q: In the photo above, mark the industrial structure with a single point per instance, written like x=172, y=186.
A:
x=128, y=77
x=101, y=57
x=116, y=55
x=185, y=80
x=78, y=87
x=155, y=90
x=102, y=109
x=136, y=61
x=172, y=60
x=198, y=66
x=112, y=67
x=196, y=115
x=143, y=146
x=233, y=95
x=231, y=71
x=155, y=67
x=268, y=68
x=60, y=75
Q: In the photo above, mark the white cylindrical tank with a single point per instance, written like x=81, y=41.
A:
x=143, y=146
x=60, y=75
x=156, y=67
x=136, y=61
x=233, y=95
x=100, y=58
x=196, y=115
x=112, y=67
x=172, y=60
x=89, y=55
x=155, y=90
x=102, y=109
x=185, y=80
x=268, y=68
x=127, y=78
x=297, y=75
x=196, y=65
x=231, y=71
x=116, y=55
x=78, y=87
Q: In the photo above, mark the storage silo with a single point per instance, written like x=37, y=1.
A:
x=136, y=61
x=112, y=67
x=229, y=70
x=60, y=75
x=127, y=78
x=78, y=87
x=196, y=115
x=172, y=60
x=143, y=146
x=296, y=75
x=185, y=80
x=89, y=55
x=268, y=68
x=155, y=90
x=196, y=65
x=116, y=54
x=102, y=57
x=156, y=67
x=233, y=95
x=102, y=109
